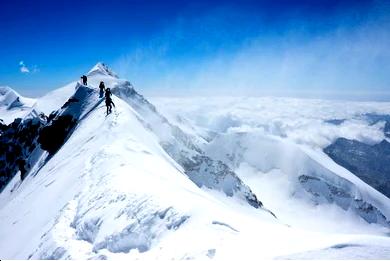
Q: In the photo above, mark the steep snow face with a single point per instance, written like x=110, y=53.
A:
x=109, y=192
x=53, y=100
x=133, y=185
x=184, y=148
x=90, y=173
x=24, y=142
x=13, y=105
x=271, y=164
x=274, y=144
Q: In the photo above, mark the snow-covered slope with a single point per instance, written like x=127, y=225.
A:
x=55, y=99
x=132, y=184
x=154, y=194
x=182, y=147
x=117, y=193
x=275, y=146
x=13, y=105
x=302, y=177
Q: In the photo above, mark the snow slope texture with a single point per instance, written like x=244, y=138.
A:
x=118, y=188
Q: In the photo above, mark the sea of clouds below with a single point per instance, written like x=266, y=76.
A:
x=305, y=121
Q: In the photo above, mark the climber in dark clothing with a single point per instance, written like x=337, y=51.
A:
x=108, y=93
x=84, y=79
x=21, y=165
x=102, y=89
x=109, y=102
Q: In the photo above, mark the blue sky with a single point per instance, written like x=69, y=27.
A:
x=299, y=48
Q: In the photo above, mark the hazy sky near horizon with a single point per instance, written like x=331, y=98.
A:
x=281, y=47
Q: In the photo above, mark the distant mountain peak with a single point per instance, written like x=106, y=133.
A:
x=102, y=68
x=5, y=89
x=9, y=98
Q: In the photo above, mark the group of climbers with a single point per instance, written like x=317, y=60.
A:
x=107, y=96
x=21, y=164
x=103, y=91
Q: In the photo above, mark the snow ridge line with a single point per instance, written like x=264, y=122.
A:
x=80, y=230
x=61, y=241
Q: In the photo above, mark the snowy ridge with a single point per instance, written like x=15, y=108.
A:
x=80, y=208
x=84, y=100
x=132, y=184
x=53, y=100
x=306, y=178
x=86, y=216
x=101, y=68
x=182, y=147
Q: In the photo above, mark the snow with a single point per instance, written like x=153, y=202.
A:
x=102, y=69
x=118, y=189
x=13, y=105
x=275, y=144
x=120, y=197
x=55, y=99
x=359, y=249
x=280, y=165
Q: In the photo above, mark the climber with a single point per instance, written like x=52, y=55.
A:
x=109, y=102
x=102, y=89
x=108, y=93
x=21, y=165
x=84, y=79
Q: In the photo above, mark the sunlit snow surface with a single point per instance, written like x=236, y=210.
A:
x=270, y=141
x=13, y=105
x=113, y=190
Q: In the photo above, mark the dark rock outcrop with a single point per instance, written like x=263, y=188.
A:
x=53, y=136
x=18, y=140
x=341, y=194
x=371, y=163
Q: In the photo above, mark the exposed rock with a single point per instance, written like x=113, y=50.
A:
x=323, y=191
x=371, y=163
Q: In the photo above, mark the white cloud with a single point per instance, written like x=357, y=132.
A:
x=303, y=121
x=24, y=69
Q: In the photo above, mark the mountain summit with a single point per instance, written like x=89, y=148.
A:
x=101, y=68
